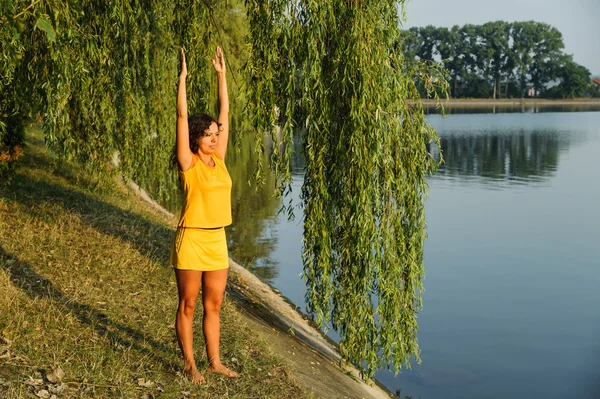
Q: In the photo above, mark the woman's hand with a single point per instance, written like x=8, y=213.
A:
x=219, y=61
x=183, y=66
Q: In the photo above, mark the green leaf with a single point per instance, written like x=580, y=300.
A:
x=16, y=35
x=45, y=25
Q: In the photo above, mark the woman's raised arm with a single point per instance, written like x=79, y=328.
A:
x=219, y=64
x=184, y=154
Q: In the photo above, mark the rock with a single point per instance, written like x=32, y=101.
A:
x=146, y=384
x=42, y=394
x=57, y=389
x=56, y=375
x=5, y=341
x=33, y=382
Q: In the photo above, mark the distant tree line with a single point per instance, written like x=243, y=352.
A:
x=501, y=60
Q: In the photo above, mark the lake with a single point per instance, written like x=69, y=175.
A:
x=511, y=307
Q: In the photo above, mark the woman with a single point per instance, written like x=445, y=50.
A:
x=199, y=252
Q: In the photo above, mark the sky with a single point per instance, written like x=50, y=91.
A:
x=578, y=20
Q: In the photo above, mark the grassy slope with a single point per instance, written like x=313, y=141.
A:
x=85, y=287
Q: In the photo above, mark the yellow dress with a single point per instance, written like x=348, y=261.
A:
x=200, y=242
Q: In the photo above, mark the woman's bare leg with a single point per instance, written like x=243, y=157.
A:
x=188, y=284
x=213, y=288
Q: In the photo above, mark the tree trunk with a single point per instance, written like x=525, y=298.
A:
x=506, y=86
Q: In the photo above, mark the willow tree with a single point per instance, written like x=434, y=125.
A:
x=331, y=69
x=103, y=76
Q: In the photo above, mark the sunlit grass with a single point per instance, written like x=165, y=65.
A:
x=85, y=288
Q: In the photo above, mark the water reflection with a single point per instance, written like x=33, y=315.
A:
x=497, y=151
x=254, y=210
x=298, y=161
x=507, y=154
x=525, y=157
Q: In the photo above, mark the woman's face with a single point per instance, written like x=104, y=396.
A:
x=208, y=142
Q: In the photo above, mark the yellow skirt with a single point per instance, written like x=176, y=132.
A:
x=199, y=249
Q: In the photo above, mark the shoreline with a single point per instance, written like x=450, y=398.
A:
x=488, y=102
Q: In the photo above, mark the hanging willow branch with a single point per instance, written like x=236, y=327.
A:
x=334, y=68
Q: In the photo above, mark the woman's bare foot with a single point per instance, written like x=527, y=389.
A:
x=194, y=376
x=223, y=370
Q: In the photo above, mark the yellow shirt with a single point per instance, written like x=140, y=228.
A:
x=207, y=191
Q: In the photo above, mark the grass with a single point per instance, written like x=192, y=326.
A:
x=85, y=288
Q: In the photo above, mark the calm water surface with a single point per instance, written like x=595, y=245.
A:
x=511, y=307
x=512, y=300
